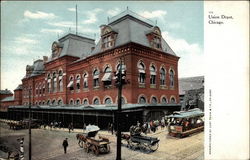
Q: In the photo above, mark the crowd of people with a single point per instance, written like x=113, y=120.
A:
x=152, y=126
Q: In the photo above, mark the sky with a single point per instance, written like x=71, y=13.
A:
x=29, y=28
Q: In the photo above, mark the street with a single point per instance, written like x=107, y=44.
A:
x=47, y=145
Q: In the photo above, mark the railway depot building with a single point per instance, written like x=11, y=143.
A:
x=77, y=82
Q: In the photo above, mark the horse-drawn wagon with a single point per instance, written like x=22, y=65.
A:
x=137, y=140
x=91, y=142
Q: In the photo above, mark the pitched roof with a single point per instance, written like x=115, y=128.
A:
x=6, y=91
x=38, y=68
x=190, y=83
x=19, y=87
x=132, y=28
x=75, y=45
x=6, y=99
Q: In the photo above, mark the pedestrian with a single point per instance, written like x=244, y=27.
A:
x=72, y=127
x=112, y=128
x=65, y=145
x=69, y=127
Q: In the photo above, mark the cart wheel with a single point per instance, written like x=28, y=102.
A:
x=96, y=151
x=81, y=144
x=154, y=147
x=108, y=148
x=142, y=147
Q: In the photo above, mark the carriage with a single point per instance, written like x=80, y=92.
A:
x=91, y=142
x=185, y=123
x=137, y=140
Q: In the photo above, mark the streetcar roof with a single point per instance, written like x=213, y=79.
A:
x=187, y=114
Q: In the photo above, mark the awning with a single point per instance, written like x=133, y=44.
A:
x=78, y=81
x=60, y=77
x=141, y=71
x=55, y=80
x=152, y=73
x=106, y=77
x=49, y=80
x=70, y=84
x=95, y=76
x=85, y=79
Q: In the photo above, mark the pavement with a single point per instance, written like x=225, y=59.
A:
x=47, y=145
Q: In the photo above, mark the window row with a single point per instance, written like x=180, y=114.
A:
x=142, y=99
x=163, y=74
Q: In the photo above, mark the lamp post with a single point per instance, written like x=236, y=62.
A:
x=119, y=76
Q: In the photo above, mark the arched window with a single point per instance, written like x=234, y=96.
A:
x=162, y=76
x=49, y=83
x=96, y=101
x=95, y=78
x=172, y=100
x=43, y=103
x=40, y=90
x=48, y=102
x=78, y=78
x=78, y=102
x=142, y=100
x=54, y=102
x=39, y=103
x=85, y=102
x=59, y=102
x=163, y=100
x=71, y=83
x=152, y=74
x=85, y=80
x=123, y=100
x=154, y=100
x=107, y=76
x=171, y=76
x=54, y=82
x=60, y=81
x=108, y=101
x=43, y=89
x=71, y=102
x=142, y=75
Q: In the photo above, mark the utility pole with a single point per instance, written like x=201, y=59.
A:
x=118, y=150
x=30, y=124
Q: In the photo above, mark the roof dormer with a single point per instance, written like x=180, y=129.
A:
x=56, y=49
x=154, y=37
x=108, y=37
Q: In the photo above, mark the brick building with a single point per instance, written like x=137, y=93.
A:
x=76, y=83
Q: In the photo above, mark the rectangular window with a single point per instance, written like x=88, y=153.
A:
x=96, y=82
x=142, y=78
x=152, y=79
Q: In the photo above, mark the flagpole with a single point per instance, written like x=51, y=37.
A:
x=76, y=19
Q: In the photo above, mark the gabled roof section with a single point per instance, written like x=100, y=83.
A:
x=6, y=91
x=131, y=27
x=19, y=87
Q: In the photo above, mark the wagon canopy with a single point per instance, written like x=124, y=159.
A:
x=92, y=128
x=187, y=114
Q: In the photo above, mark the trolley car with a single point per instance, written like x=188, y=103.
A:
x=185, y=123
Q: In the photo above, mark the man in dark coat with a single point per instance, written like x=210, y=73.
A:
x=65, y=145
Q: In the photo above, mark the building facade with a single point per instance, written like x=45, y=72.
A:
x=79, y=76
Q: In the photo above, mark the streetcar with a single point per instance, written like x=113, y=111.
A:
x=185, y=123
